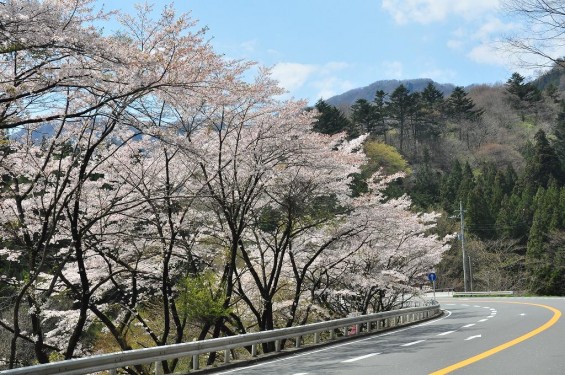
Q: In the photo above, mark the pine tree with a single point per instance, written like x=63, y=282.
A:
x=330, y=120
x=559, y=134
x=431, y=113
x=523, y=95
x=399, y=109
x=467, y=183
x=363, y=116
x=543, y=164
x=450, y=187
x=478, y=218
x=426, y=190
x=380, y=108
x=461, y=109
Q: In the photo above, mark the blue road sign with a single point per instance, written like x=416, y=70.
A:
x=432, y=276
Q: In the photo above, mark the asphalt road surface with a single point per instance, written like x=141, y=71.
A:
x=475, y=336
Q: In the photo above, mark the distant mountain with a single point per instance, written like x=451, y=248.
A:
x=346, y=99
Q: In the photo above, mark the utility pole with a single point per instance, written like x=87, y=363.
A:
x=462, y=236
x=470, y=272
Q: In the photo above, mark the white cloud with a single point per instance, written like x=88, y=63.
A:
x=323, y=78
x=392, y=69
x=331, y=86
x=333, y=66
x=292, y=76
x=487, y=53
x=494, y=26
x=428, y=11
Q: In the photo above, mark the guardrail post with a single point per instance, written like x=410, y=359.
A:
x=316, y=337
x=158, y=368
x=332, y=334
x=297, y=345
x=254, y=350
x=195, y=362
x=278, y=346
x=357, y=328
x=227, y=356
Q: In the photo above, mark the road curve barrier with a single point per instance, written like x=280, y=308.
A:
x=331, y=330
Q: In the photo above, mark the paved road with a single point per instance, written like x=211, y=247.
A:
x=475, y=336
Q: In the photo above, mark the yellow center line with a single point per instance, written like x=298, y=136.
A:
x=506, y=345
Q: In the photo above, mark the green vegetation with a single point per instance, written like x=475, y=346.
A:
x=500, y=151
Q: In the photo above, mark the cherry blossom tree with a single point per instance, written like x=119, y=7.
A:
x=394, y=252
x=132, y=164
x=309, y=191
x=72, y=99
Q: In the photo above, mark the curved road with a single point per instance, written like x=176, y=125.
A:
x=475, y=336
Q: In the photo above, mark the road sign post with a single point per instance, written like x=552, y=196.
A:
x=432, y=277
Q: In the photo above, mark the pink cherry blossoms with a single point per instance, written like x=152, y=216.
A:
x=133, y=162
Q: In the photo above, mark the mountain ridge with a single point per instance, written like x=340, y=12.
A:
x=349, y=97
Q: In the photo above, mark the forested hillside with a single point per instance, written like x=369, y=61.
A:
x=499, y=151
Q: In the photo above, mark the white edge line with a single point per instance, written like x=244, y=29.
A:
x=413, y=343
x=445, y=333
x=340, y=345
x=360, y=358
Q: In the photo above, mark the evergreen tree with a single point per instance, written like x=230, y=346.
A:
x=538, y=262
x=497, y=194
x=426, y=188
x=556, y=255
x=380, y=107
x=450, y=187
x=510, y=223
x=461, y=109
x=363, y=116
x=543, y=164
x=523, y=95
x=399, y=110
x=467, y=183
x=478, y=218
x=330, y=120
x=522, y=91
x=559, y=134
x=432, y=98
x=432, y=112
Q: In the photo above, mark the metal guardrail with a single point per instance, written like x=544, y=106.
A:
x=113, y=361
x=482, y=294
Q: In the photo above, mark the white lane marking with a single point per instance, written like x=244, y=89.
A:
x=522, y=314
x=473, y=337
x=448, y=314
x=476, y=306
x=486, y=307
x=445, y=333
x=413, y=343
x=359, y=358
x=490, y=316
x=482, y=320
x=468, y=325
x=465, y=305
x=450, y=304
x=300, y=373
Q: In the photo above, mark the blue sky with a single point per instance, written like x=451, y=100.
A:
x=320, y=48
